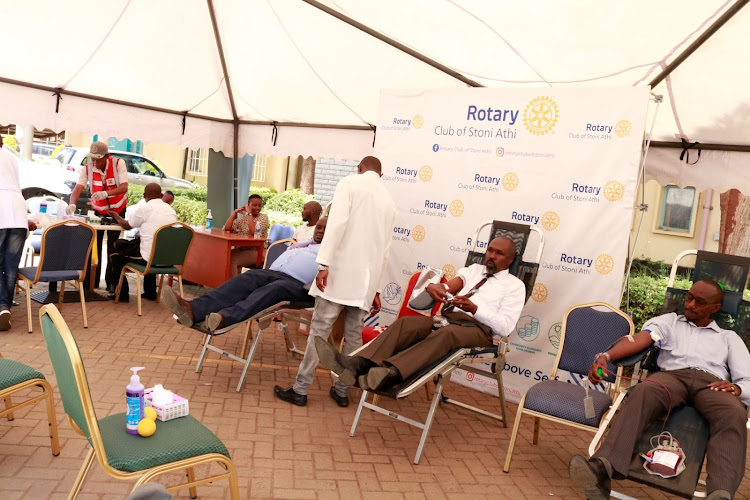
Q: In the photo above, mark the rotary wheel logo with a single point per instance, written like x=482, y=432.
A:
x=604, y=264
x=539, y=293
x=456, y=208
x=425, y=173
x=623, y=128
x=418, y=233
x=527, y=328
x=510, y=181
x=614, y=190
x=550, y=221
x=553, y=334
x=449, y=272
x=540, y=115
x=469, y=376
x=417, y=121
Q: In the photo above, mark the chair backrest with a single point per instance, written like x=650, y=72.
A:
x=732, y=272
x=280, y=232
x=588, y=329
x=171, y=245
x=275, y=250
x=525, y=270
x=66, y=246
x=405, y=310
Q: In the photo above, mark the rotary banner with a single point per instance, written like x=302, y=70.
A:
x=564, y=160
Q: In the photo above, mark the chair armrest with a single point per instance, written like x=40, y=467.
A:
x=634, y=358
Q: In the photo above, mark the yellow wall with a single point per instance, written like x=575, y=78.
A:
x=654, y=245
x=276, y=169
x=169, y=158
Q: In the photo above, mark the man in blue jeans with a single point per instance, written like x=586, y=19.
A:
x=14, y=225
x=252, y=291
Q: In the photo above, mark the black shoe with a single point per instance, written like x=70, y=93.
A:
x=290, y=396
x=382, y=376
x=149, y=296
x=592, y=475
x=111, y=292
x=342, y=401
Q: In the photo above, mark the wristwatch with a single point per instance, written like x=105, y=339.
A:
x=322, y=267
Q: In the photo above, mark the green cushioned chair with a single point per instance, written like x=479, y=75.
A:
x=179, y=444
x=169, y=250
x=16, y=377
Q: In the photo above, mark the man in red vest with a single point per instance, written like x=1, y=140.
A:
x=107, y=178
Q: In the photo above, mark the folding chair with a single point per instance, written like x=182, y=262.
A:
x=441, y=370
x=64, y=255
x=179, y=445
x=170, y=248
x=263, y=319
x=280, y=232
x=587, y=329
x=685, y=423
x=16, y=377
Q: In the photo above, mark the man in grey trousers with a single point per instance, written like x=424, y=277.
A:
x=351, y=261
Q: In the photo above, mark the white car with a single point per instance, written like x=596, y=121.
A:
x=39, y=179
x=141, y=170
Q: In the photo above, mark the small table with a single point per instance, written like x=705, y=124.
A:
x=208, y=260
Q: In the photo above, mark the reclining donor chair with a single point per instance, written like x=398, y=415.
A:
x=685, y=423
x=440, y=371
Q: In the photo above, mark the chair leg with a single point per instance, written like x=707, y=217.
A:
x=179, y=282
x=119, y=286
x=8, y=406
x=62, y=296
x=28, y=301
x=52, y=417
x=191, y=477
x=499, y=366
x=158, y=289
x=83, y=303
x=537, y=422
x=82, y=475
x=138, y=293
x=514, y=435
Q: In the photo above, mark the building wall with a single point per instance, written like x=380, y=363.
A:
x=328, y=172
x=276, y=173
x=654, y=244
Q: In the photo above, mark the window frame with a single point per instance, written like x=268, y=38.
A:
x=661, y=228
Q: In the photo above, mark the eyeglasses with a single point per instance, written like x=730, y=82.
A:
x=698, y=301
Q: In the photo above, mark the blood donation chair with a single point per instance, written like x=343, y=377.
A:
x=440, y=372
x=685, y=423
x=263, y=319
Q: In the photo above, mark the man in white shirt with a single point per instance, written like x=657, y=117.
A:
x=351, y=261
x=310, y=214
x=487, y=304
x=14, y=224
x=148, y=217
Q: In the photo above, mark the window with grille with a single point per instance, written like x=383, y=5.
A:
x=198, y=162
x=259, y=168
x=678, y=209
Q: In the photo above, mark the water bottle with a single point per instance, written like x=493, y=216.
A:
x=43, y=207
x=257, y=229
x=209, y=220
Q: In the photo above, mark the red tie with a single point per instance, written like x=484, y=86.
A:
x=471, y=292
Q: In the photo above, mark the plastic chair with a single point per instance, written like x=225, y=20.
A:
x=169, y=250
x=587, y=329
x=16, y=377
x=440, y=372
x=280, y=232
x=178, y=445
x=686, y=422
x=65, y=251
x=275, y=250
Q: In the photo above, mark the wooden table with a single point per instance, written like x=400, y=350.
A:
x=208, y=260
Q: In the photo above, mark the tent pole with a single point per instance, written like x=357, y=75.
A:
x=393, y=43
x=699, y=41
x=704, y=146
x=235, y=161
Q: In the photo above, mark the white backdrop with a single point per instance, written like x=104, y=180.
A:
x=565, y=160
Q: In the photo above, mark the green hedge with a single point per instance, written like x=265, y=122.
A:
x=647, y=296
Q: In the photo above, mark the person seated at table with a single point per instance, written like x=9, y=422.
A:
x=148, y=217
x=243, y=221
x=487, y=304
x=167, y=197
x=249, y=293
x=699, y=364
x=310, y=214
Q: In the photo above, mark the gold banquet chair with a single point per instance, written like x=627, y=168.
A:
x=178, y=445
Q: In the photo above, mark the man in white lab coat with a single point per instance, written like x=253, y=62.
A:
x=351, y=262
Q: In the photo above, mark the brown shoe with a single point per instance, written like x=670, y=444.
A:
x=180, y=307
x=382, y=376
x=593, y=475
x=215, y=321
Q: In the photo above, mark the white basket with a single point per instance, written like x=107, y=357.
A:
x=177, y=408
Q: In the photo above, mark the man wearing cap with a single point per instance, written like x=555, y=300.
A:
x=107, y=178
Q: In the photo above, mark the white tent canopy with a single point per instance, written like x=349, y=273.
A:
x=315, y=69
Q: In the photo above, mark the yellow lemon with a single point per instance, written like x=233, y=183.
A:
x=146, y=427
x=149, y=413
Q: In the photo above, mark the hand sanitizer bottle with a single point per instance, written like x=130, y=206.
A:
x=134, y=397
x=209, y=220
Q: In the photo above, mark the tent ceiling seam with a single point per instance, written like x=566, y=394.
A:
x=218, y=88
x=673, y=105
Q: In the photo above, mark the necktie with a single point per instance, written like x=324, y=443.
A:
x=471, y=292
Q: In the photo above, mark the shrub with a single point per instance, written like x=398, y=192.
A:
x=647, y=296
x=275, y=217
x=290, y=201
x=265, y=193
x=190, y=212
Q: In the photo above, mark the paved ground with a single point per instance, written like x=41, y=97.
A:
x=281, y=451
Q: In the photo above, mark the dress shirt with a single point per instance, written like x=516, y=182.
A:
x=12, y=205
x=150, y=217
x=299, y=263
x=499, y=301
x=304, y=232
x=708, y=348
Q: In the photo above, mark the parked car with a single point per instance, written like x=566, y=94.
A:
x=141, y=170
x=39, y=179
x=41, y=152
